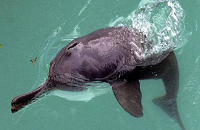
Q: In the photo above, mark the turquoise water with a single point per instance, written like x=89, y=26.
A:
x=29, y=28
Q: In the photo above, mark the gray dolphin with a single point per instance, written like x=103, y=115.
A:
x=116, y=56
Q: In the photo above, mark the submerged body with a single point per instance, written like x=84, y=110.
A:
x=116, y=56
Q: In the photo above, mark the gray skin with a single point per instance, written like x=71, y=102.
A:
x=115, y=56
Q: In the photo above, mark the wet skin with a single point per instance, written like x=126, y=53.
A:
x=115, y=56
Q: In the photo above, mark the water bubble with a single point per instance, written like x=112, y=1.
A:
x=162, y=22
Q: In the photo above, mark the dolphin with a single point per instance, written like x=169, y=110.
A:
x=116, y=56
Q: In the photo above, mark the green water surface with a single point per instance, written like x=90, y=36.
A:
x=24, y=27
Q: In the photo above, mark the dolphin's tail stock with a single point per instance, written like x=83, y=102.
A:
x=168, y=71
x=170, y=78
x=26, y=99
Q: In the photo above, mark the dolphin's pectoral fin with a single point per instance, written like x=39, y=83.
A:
x=129, y=96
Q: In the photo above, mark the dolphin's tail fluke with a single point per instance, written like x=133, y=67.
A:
x=23, y=100
x=169, y=105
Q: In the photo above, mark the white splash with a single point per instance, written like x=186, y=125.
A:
x=75, y=33
x=88, y=2
x=196, y=26
x=144, y=2
x=162, y=21
x=86, y=95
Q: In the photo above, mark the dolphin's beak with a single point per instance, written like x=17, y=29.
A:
x=16, y=107
x=23, y=100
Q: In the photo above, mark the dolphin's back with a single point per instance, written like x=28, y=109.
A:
x=102, y=54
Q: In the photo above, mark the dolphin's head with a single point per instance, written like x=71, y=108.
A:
x=66, y=60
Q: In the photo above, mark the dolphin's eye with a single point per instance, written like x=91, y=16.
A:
x=73, y=45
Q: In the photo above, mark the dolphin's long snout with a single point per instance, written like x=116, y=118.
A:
x=16, y=105
x=23, y=100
